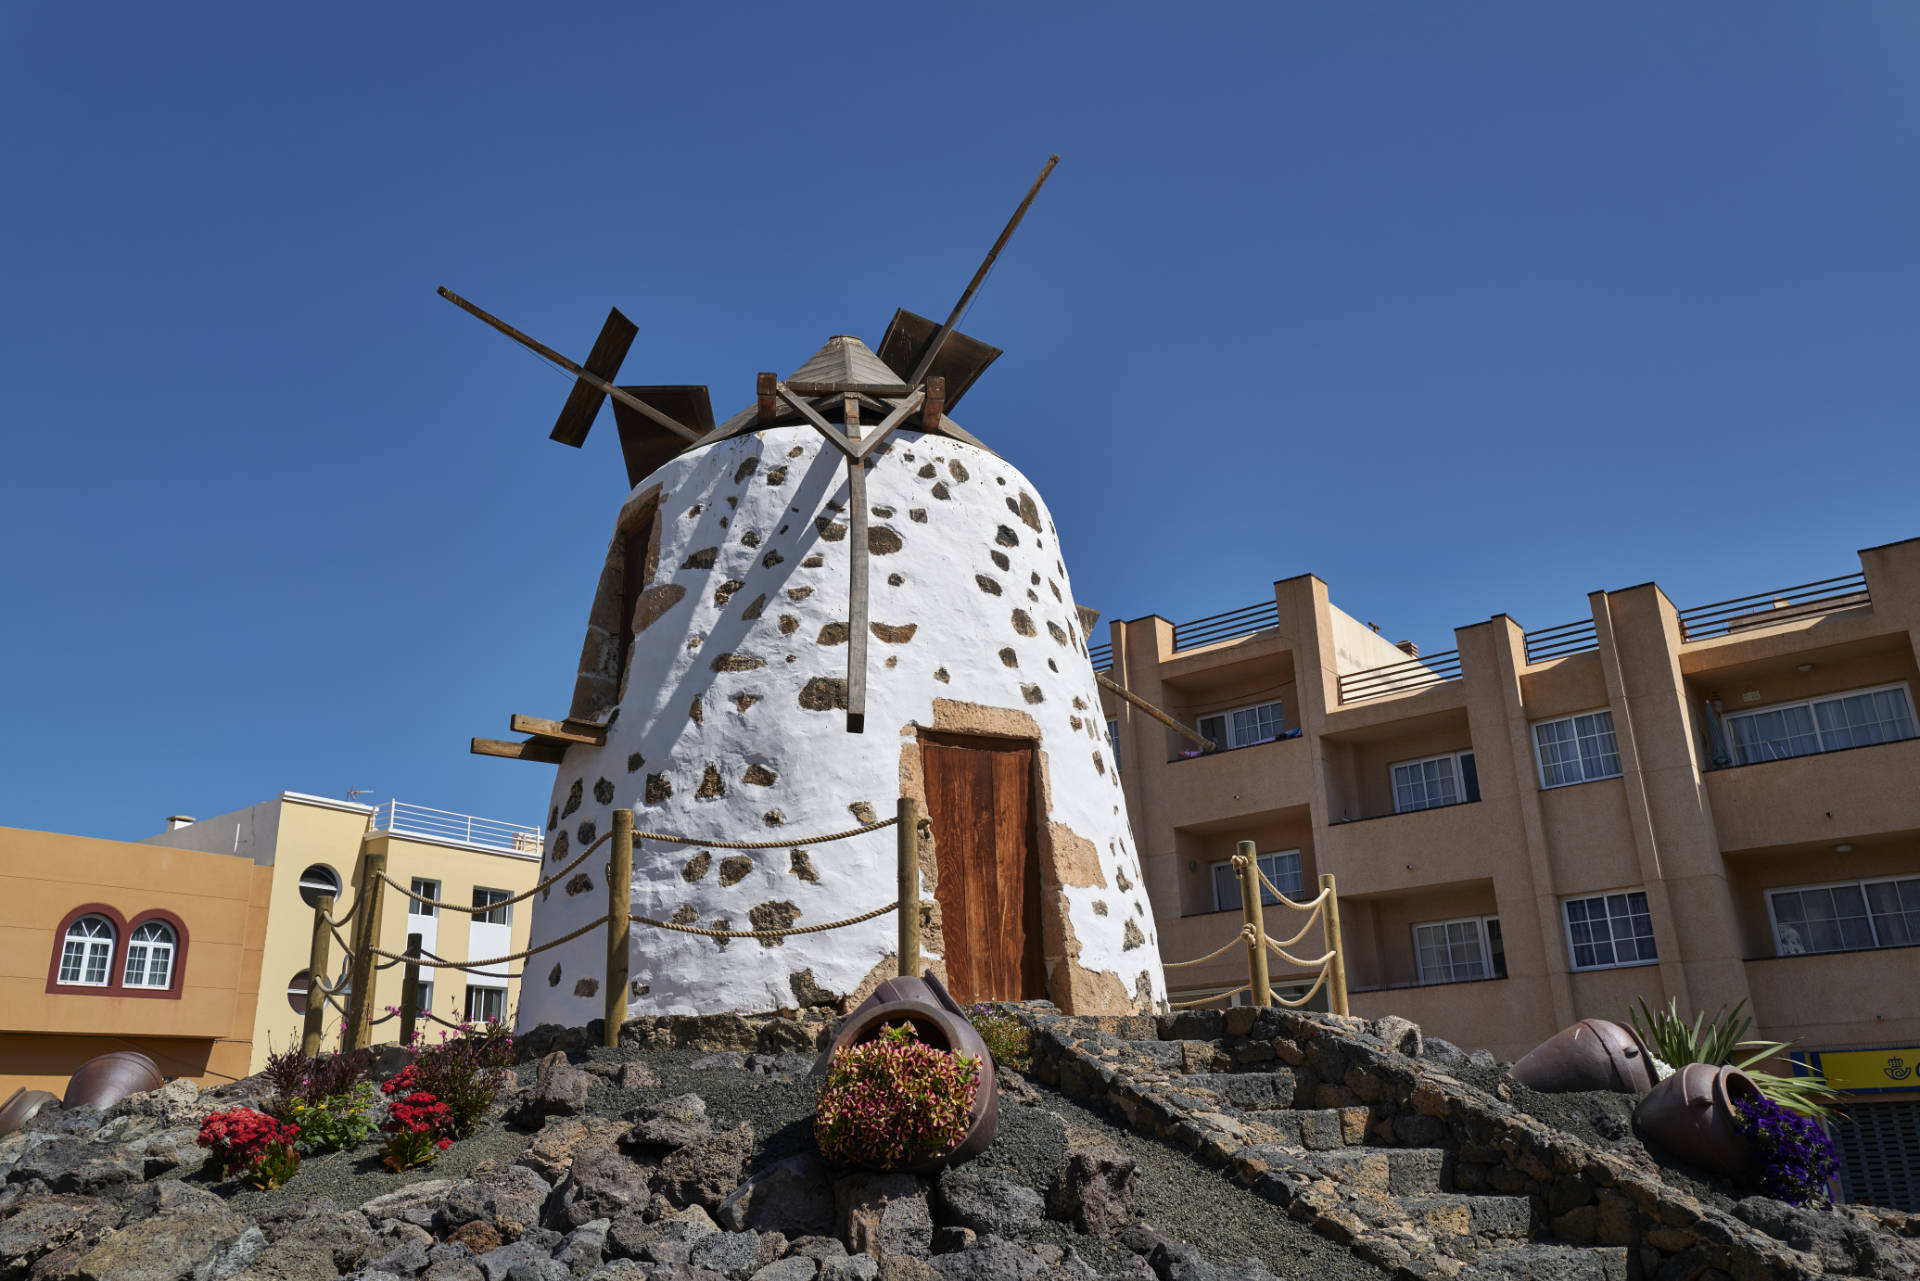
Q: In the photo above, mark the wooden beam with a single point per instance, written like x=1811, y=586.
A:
x=1157, y=714
x=889, y=390
x=765, y=407
x=568, y=731
x=934, y=404
x=533, y=749
x=857, y=577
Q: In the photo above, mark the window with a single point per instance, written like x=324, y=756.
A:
x=1113, y=743
x=1877, y=1143
x=1577, y=749
x=1456, y=951
x=500, y=912
x=87, y=953
x=318, y=882
x=486, y=1003
x=297, y=991
x=423, y=997
x=1282, y=868
x=1436, y=781
x=1243, y=727
x=1845, y=916
x=149, y=956
x=431, y=889
x=1609, y=930
x=1820, y=725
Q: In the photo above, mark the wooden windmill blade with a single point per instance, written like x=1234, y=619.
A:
x=603, y=362
x=961, y=360
x=644, y=444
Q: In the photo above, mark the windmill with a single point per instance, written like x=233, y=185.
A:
x=932, y=367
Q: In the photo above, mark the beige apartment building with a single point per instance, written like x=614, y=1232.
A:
x=1709, y=803
x=193, y=945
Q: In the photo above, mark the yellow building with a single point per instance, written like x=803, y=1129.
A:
x=193, y=945
x=1708, y=804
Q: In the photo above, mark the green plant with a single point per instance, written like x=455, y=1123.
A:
x=336, y=1121
x=1007, y=1039
x=895, y=1101
x=1676, y=1043
x=243, y=1139
x=416, y=1127
x=465, y=1071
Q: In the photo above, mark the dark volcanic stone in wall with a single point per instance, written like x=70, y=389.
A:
x=759, y=775
x=1023, y=624
x=574, y=795
x=987, y=585
x=737, y=663
x=884, y=540
x=753, y=611
x=894, y=633
x=705, y=558
x=603, y=791
x=697, y=866
x=824, y=694
x=831, y=531
x=773, y=916
x=712, y=785
x=735, y=869
x=798, y=864
x=658, y=789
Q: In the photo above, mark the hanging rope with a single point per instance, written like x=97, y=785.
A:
x=496, y=960
x=766, y=845
x=1246, y=932
x=463, y=965
x=1294, y=1005
x=1291, y=959
x=764, y=934
x=477, y=911
x=344, y=917
x=1208, y=1000
x=1284, y=900
x=1318, y=905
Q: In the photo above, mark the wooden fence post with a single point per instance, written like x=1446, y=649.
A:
x=312, y=1023
x=619, y=924
x=366, y=937
x=1252, y=908
x=1337, y=981
x=410, y=990
x=907, y=811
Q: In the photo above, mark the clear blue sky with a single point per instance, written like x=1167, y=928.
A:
x=1466, y=308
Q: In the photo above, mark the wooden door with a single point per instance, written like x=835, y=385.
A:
x=980, y=799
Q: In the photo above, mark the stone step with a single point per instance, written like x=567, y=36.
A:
x=1315, y=1129
x=1248, y=1091
x=1489, y=1220
x=1391, y=1171
x=1548, y=1263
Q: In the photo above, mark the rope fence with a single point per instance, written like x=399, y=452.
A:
x=364, y=959
x=1323, y=909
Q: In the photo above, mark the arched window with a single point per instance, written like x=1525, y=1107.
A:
x=149, y=956
x=317, y=882
x=86, y=956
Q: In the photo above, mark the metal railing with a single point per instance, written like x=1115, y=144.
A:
x=1765, y=609
x=1398, y=678
x=1102, y=656
x=1558, y=642
x=1219, y=627
x=402, y=819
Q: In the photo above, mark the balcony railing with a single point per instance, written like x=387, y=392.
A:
x=1399, y=678
x=402, y=819
x=1765, y=609
x=1558, y=642
x=1219, y=627
x=1102, y=656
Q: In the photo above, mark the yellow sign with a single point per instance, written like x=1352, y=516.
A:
x=1895, y=1069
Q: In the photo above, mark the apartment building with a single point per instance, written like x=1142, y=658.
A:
x=1709, y=803
x=193, y=945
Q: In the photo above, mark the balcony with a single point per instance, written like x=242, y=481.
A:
x=1770, y=609
x=1400, y=678
x=1823, y=797
x=444, y=827
x=1826, y=997
x=1238, y=783
x=1445, y=844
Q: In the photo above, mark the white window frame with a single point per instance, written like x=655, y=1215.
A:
x=1228, y=739
x=88, y=944
x=423, y=996
x=1773, y=920
x=1459, y=779
x=1566, y=929
x=1113, y=741
x=1579, y=761
x=152, y=953
x=494, y=905
x=1486, y=949
x=1266, y=899
x=1727, y=717
x=431, y=889
x=473, y=988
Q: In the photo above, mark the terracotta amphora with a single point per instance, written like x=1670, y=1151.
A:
x=940, y=1022
x=1593, y=1054
x=102, y=1082
x=1691, y=1115
x=22, y=1107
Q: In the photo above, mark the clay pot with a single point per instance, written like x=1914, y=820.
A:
x=940, y=1022
x=102, y=1082
x=23, y=1107
x=1691, y=1116
x=1593, y=1054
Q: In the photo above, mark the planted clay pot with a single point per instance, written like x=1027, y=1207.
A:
x=1593, y=1054
x=1691, y=1116
x=102, y=1082
x=22, y=1107
x=940, y=1022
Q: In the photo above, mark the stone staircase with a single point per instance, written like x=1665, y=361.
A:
x=1334, y=1167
